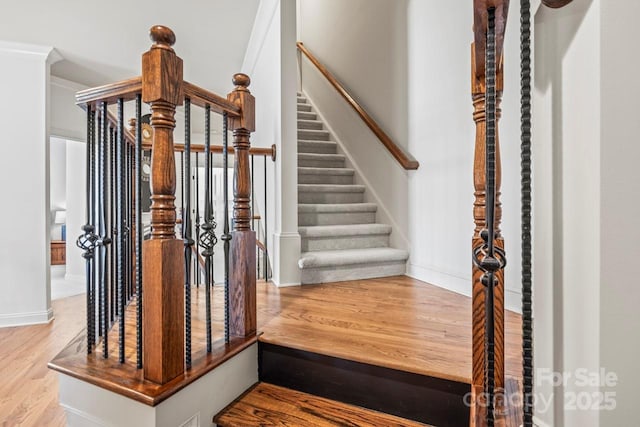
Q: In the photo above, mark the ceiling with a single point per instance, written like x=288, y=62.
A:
x=102, y=42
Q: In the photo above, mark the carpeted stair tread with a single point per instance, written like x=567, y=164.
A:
x=351, y=257
x=337, y=208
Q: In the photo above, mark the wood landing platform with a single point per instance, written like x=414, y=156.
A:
x=270, y=405
x=393, y=322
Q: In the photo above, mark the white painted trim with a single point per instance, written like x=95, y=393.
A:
x=539, y=423
x=24, y=319
x=285, y=248
x=261, y=25
x=66, y=84
x=50, y=54
x=460, y=285
x=78, y=417
x=395, y=227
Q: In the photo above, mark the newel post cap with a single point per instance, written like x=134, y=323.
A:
x=162, y=37
x=241, y=81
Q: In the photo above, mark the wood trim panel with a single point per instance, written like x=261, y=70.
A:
x=405, y=159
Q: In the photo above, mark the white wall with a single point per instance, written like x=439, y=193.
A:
x=270, y=61
x=441, y=137
x=57, y=182
x=76, y=208
x=366, y=50
x=68, y=121
x=24, y=168
x=620, y=206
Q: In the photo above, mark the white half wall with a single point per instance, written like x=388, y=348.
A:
x=87, y=405
x=270, y=61
x=24, y=167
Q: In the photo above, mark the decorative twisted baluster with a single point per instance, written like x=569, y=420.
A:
x=488, y=257
x=226, y=237
x=138, y=261
x=208, y=237
x=87, y=240
x=527, y=309
x=186, y=226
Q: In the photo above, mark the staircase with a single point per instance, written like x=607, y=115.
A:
x=340, y=237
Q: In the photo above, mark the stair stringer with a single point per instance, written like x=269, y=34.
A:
x=399, y=239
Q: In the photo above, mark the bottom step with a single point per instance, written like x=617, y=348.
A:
x=271, y=405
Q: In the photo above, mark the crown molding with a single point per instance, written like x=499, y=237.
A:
x=48, y=53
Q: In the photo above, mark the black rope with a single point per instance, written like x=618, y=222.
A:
x=527, y=313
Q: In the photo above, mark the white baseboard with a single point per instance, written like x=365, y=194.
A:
x=24, y=319
x=539, y=423
x=460, y=285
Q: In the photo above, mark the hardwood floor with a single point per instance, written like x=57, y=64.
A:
x=29, y=390
x=395, y=322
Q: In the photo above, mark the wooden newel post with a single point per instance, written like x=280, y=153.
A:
x=163, y=263
x=242, y=263
x=478, y=90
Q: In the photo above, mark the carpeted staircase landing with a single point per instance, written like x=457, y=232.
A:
x=340, y=237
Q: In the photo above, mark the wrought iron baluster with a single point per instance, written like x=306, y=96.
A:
x=197, y=182
x=207, y=237
x=226, y=237
x=265, y=255
x=87, y=240
x=113, y=230
x=186, y=227
x=121, y=230
x=104, y=240
x=139, y=231
x=527, y=310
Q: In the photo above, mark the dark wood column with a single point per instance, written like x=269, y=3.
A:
x=242, y=264
x=163, y=264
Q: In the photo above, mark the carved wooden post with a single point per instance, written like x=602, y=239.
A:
x=478, y=90
x=242, y=264
x=163, y=264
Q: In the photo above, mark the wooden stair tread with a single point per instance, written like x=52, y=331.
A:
x=270, y=405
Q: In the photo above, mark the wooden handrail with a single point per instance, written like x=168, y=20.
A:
x=202, y=97
x=199, y=148
x=405, y=159
x=126, y=89
x=556, y=4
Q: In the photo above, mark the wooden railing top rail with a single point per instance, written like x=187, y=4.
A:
x=405, y=159
x=128, y=89
x=201, y=97
x=199, y=148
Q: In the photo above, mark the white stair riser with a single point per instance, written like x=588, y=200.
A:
x=304, y=107
x=321, y=163
x=329, y=197
x=330, y=243
x=304, y=115
x=314, y=125
x=352, y=272
x=336, y=218
x=314, y=135
x=325, y=179
x=317, y=147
